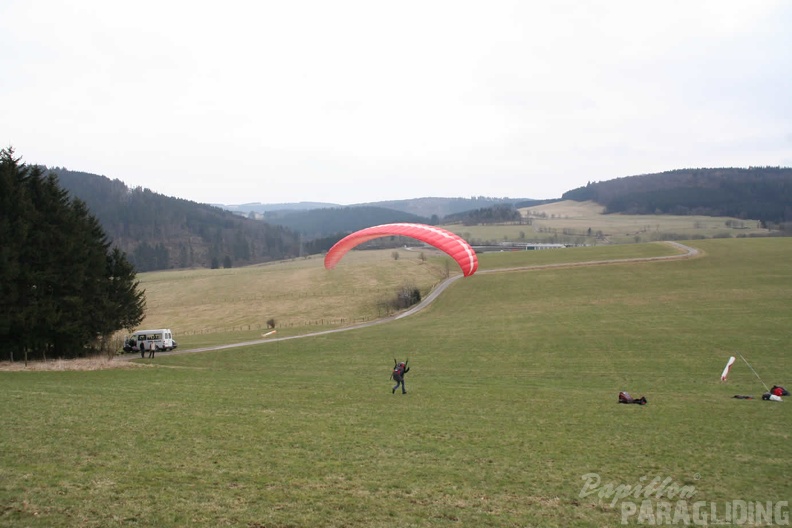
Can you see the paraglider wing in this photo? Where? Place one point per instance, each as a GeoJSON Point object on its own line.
{"type": "Point", "coordinates": [455, 246]}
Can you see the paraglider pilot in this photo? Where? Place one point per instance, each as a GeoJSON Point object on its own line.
{"type": "Point", "coordinates": [399, 371]}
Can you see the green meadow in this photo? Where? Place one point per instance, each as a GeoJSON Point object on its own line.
{"type": "Point", "coordinates": [574, 222]}
{"type": "Point", "coordinates": [511, 411]}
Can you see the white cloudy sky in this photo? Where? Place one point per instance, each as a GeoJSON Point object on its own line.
{"type": "Point", "coordinates": [351, 101]}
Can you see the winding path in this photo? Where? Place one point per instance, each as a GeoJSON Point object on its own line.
{"type": "Point", "coordinates": [685, 253]}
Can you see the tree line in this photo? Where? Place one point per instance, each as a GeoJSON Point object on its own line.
{"type": "Point", "coordinates": [64, 289]}
{"type": "Point", "coordinates": [496, 214]}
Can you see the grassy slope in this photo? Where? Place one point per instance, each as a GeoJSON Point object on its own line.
{"type": "Point", "coordinates": [296, 293]}
{"type": "Point", "coordinates": [569, 221]}
{"type": "Point", "coordinates": [512, 400]}
{"type": "Point", "coordinates": [209, 307]}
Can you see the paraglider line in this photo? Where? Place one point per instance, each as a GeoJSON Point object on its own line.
{"type": "Point", "coordinates": [752, 370]}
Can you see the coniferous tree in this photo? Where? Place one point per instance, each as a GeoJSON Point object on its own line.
{"type": "Point", "coordinates": [124, 302]}
{"type": "Point", "coordinates": [12, 237]}
{"type": "Point", "coordinates": [63, 290]}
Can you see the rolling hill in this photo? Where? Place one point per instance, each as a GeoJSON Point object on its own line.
{"type": "Point", "coordinates": [764, 193]}
{"type": "Point", "coordinates": [161, 232]}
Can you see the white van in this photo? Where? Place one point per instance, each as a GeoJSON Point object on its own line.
{"type": "Point", "coordinates": [160, 339]}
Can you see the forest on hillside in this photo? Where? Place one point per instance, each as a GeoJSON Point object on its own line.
{"type": "Point", "coordinates": [760, 193]}
{"type": "Point", "coordinates": [318, 223]}
{"type": "Point", "coordinates": [496, 214]}
{"type": "Point", "coordinates": [314, 224]}
{"type": "Point", "coordinates": [428, 207]}
{"type": "Point", "coordinates": [160, 232]}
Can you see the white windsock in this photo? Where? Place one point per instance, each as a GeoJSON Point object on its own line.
{"type": "Point", "coordinates": [727, 368]}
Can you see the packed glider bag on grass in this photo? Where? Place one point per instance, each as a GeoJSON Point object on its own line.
{"type": "Point", "coordinates": [624, 397]}
{"type": "Point", "coordinates": [775, 393]}
{"type": "Point", "coordinates": [454, 245]}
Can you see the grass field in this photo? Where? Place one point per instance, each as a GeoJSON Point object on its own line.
{"type": "Point", "coordinates": [297, 294]}
{"type": "Point", "coordinates": [573, 222]}
{"type": "Point", "coordinates": [211, 307]}
{"type": "Point", "coordinates": [511, 406]}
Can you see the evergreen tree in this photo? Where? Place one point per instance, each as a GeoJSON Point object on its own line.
{"type": "Point", "coordinates": [13, 232]}
{"type": "Point", "coordinates": [124, 302]}
{"type": "Point", "coordinates": [64, 290]}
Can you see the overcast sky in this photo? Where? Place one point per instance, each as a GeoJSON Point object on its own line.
{"type": "Point", "coordinates": [361, 101]}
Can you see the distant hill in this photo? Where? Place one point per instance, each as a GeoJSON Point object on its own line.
{"type": "Point", "coordinates": [160, 232]}
{"type": "Point", "coordinates": [318, 223]}
{"type": "Point", "coordinates": [441, 207]}
{"type": "Point", "coordinates": [261, 208]}
{"type": "Point", "coordinates": [325, 221]}
{"type": "Point", "coordinates": [762, 193]}
{"type": "Point", "coordinates": [422, 207]}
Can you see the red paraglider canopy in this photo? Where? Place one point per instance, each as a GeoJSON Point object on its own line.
{"type": "Point", "coordinates": [454, 245]}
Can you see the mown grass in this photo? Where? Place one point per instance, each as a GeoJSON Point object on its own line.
{"type": "Point", "coordinates": [512, 399]}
